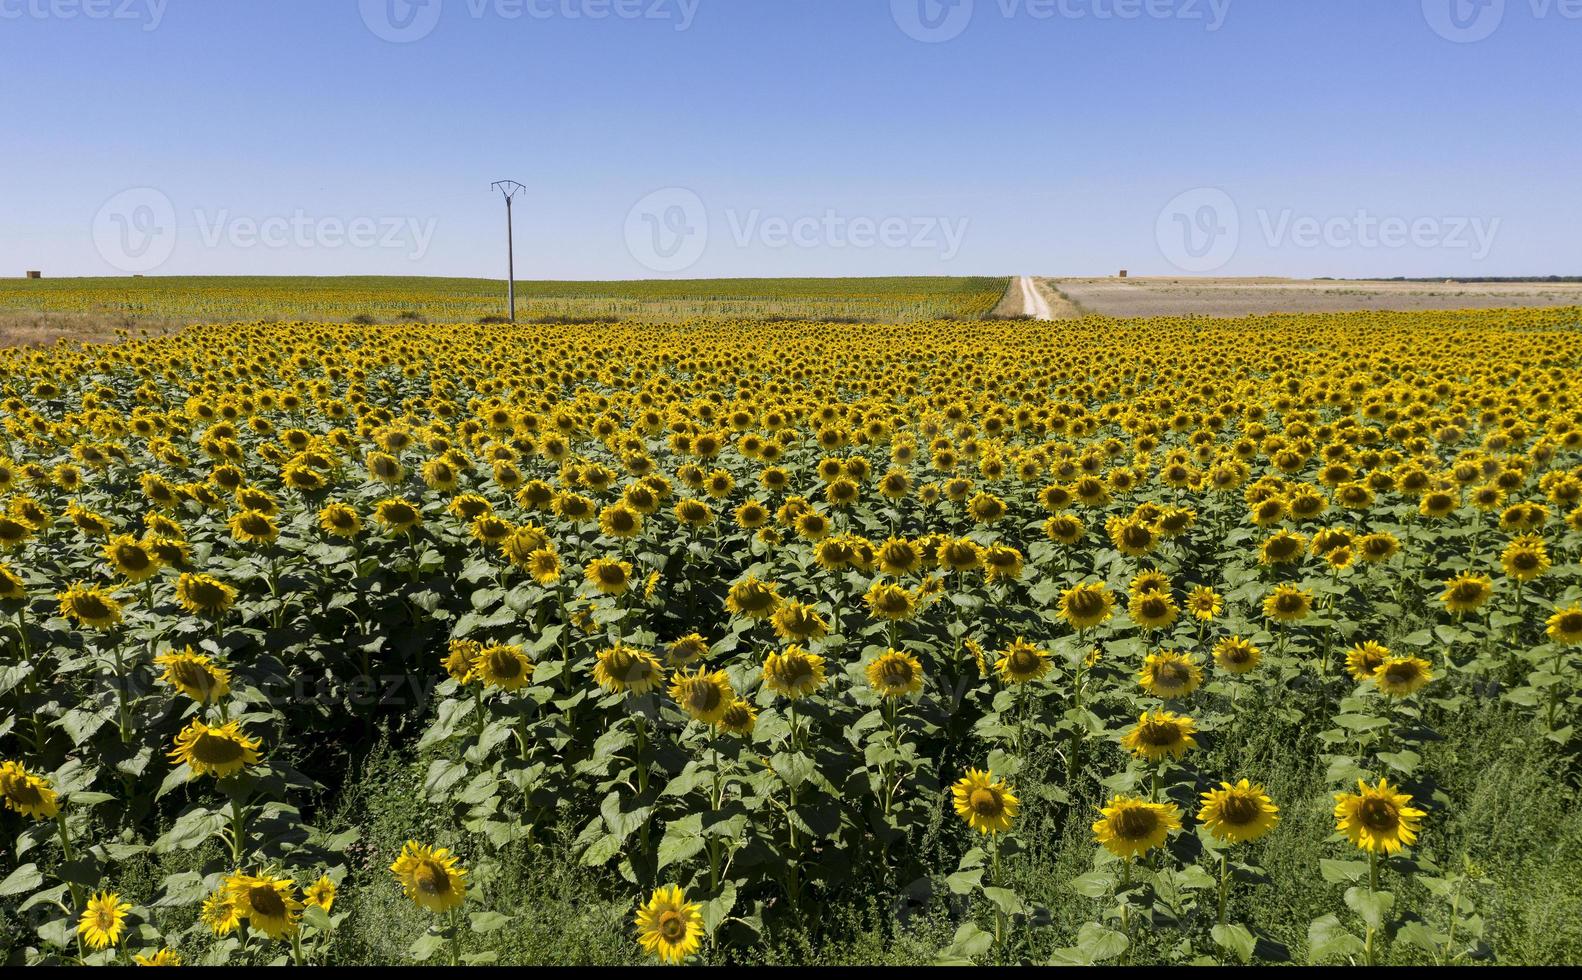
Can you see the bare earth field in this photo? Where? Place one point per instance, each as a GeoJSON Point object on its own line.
{"type": "Point", "coordinates": [1245, 297]}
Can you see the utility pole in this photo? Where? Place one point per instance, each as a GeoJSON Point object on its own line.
{"type": "Point", "coordinates": [509, 189]}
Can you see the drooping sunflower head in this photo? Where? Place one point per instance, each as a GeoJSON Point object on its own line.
{"type": "Point", "coordinates": [621, 669]}
{"type": "Point", "coordinates": [1001, 562]}
{"type": "Point", "coordinates": [1159, 735]}
{"type": "Point", "coordinates": [1022, 663]}
{"type": "Point", "coordinates": [753, 599]}
{"type": "Point", "coordinates": [739, 718]}
{"type": "Point", "coordinates": [91, 606]}
{"type": "Point", "coordinates": [610, 576]}
{"type": "Point", "coordinates": [894, 674]}
{"type": "Point", "coordinates": [1377, 818]}
{"type": "Point", "coordinates": [1129, 826]}
{"type": "Point", "coordinates": [889, 601]}
{"type": "Point", "coordinates": [204, 594]}
{"type": "Point", "coordinates": [1565, 626]}
{"type": "Point", "coordinates": [503, 666]}
{"type": "Point", "coordinates": [219, 751]}
{"type": "Point", "coordinates": [794, 673]}
{"type": "Point", "coordinates": [26, 793]}
{"type": "Point", "coordinates": [668, 926]}
{"type": "Point", "coordinates": [194, 674]}
{"type": "Point", "coordinates": [460, 658]}
{"type": "Point", "coordinates": [1467, 592]}
{"type": "Point", "coordinates": [704, 696]}
{"type": "Point", "coordinates": [1240, 812]}
{"type": "Point", "coordinates": [1168, 674]}
{"type": "Point", "coordinates": [985, 803]}
{"type": "Point", "coordinates": [1288, 604]}
{"type": "Point", "coordinates": [430, 876]}
{"type": "Point", "coordinates": [799, 622]}
{"type": "Point", "coordinates": [1087, 605]}
{"type": "Point", "coordinates": [1401, 677]}
{"type": "Point", "coordinates": [12, 588]}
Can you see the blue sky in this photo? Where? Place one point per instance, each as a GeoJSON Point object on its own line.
{"type": "Point", "coordinates": [792, 137]}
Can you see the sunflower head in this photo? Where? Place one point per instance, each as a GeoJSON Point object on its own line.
{"type": "Point", "coordinates": [1240, 812]}
{"type": "Point", "coordinates": [431, 877]}
{"type": "Point", "coordinates": [102, 920]}
{"type": "Point", "coordinates": [794, 673]}
{"type": "Point", "coordinates": [1377, 818]}
{"type": "Point", "coordinates": [705, 696]}
{"type": "Point", "coordinates": [622, 669]}
{"type": "Point", "coordinates": [1128, 827]}
{"type": "Point", "coordinates": [1401, 677]}
{"type": "Point", "coordinates": [219, 751]}
{"type": "Point", "coordinates": [1159, 735]}
{"type": "Point", "coordinates": [1168, 674]}
{"type": "Point", "coordinates": [669, 926]}
{"type": "Point", "coordinates": [986, 805]}
{"type": "Point", "coordinates": [194, 675]}
{"type": "Point", "coordinates": [894, 674]}
{"type": "Point", "coordinates": [27, 794]}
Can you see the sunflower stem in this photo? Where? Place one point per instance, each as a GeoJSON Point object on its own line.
{"type": "Point", "coordinates": [1224, 883]}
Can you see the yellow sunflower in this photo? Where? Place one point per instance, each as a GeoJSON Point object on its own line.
{"type": "Point", "coordinates": [1022, 663]}
{"type": "Point", "coordinates": [161, 957]}
{"type": "Point", "coordinates": [1401, 677]}
{"type": "Point", "coordinates": [219, 751]}
{"type": "Point", "coordinates": [204, 594]}
{"type": "Point", "coordinates": [753, 599]}
{"type": "Point", "coordinates": [986, 804]}
{"type": "Point", "coordinates": [1159, 735]}
{"type": "Point", "coordinates": [894, 674]}
{"type": "Point", "coordinates": [1288, 604]}
{"type": "Point", "coordinates": [1235, 655]}
{"type": "Point", "coordinates": [1377, 818]}
{"type": "Point", "coordinates": [622, 669]}
{"type": "Point", "coordinates": [103, 920]}
{"type": "Point", "coordinates": [268, 904]}
{"type": "Point", "coordinates": [26, 793]}
{"type": "Point", "coordinates": [704, 695]}
{"type": "Point", "coordinates": [504, 666]}
{"type": "Point", "coordinates": [1467, 593]}
{"type": "Point", "coordinates": [90, 605]}
{"type": "Point", "coordinates": [610, 576]}
{"type": "Point", "coordinates": [1565, 626]}
{"type": "Point", "coordinates": [669, 926]}
{"type": "Point", "coordinates": [795, 673]}
{"type": "Point", "coordinates": [1086, 606]}
{"type": "Point", "coordinates": [194, 675]}
{"type": "Point", "coordinates": [739, 718]}
{"type": "Point", "coordinates": [430, 877]}
{"type": "Point", "coordinates": [1238, 813]}
{"type": "Point", "coordinates": [398, 516]}
{"type": "Point", "coordinates": [131, 559]}
{"type": "Point", "coordinates": [340, 520]}
{"type": "Point", "coordinates": [1168, 674]}
{"type": "Point", "coordinates": [1129, 827]}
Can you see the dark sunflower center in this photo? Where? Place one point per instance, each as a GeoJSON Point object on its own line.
{"type": "Point", "coordinates": [1402, 673]}
{"type": "Point", "coordinates": [1238, 810]}
{"type": "Point", "coordinates": [1022, 661]}
{"type": "Point", "coordinates": [672, 927]}
{"type": "Point", "coordinates": [131, 557]}
{"type": "Point", "coordinates": [1171, 674]}
{"type": "Point", "coordinates": [1378, 815]}
{"type": "Point", "coordinates": [1134, 823]}
{"type": "Point", "coordinates": [91, 607]}
{"type": "Point", "coordinates": [703, 697]}
{"type": "Point", "coordinates": [193, 675]}
{"type": "Point", "coordinates": [265, 901]}
{"type": "Point", "coordinates": [1160, 733]}
{"type": "Point", "coordinates": [985, 802]}
{"type": "Point", "coordinates": [431, 879]}
{"type": "Point", "coordinates": [895, 673]}
{"type": "Point", "coordinates": [216, 750]}
{"type": "Point", "coordinates": [504, 665]}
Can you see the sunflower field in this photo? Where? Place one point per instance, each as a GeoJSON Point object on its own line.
{"type": "Point", "coordinates": [1170, 641]}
